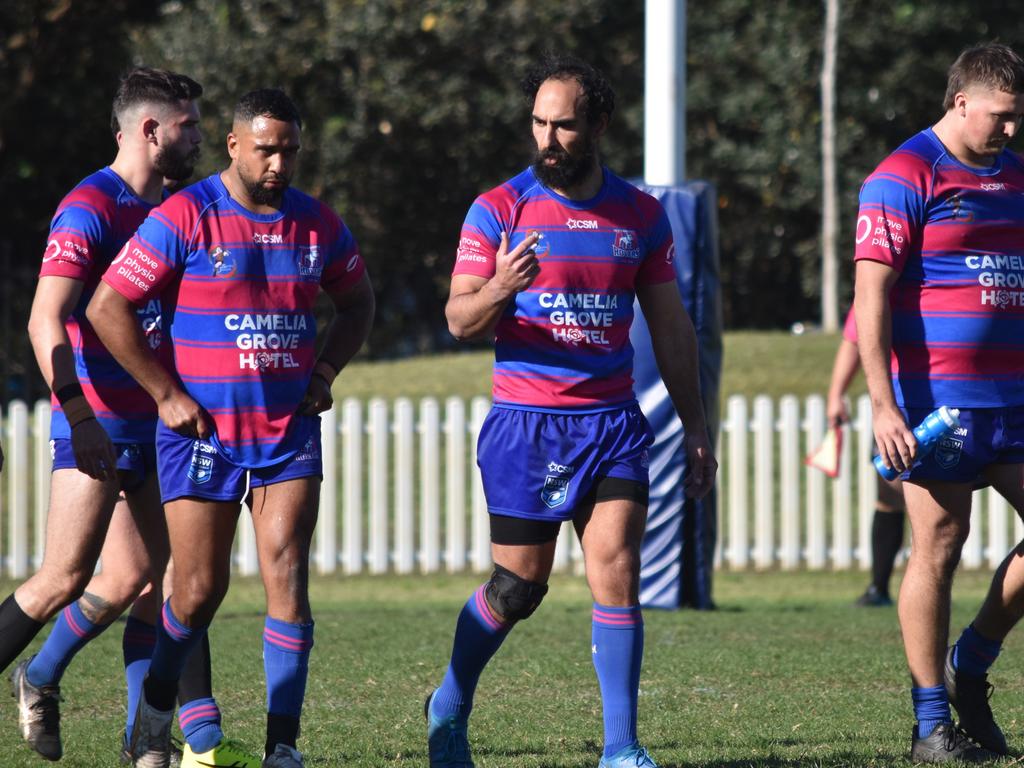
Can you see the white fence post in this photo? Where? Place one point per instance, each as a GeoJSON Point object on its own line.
{"type": "Point", "coordinates": [430, 486]}
{"type": "Point", "coordinates": [455, 474]}
{"type": "Point", "coordinates": [405, 515]}
{"type": "Point", "coordinates": [736, 419]}
{"type": "Point", "coordinates": [842, 522]}
{"type": "Point", "coordinates": [378, 433]}
{"type": "Point", "coordinates": [998, 528]}
{"type": "Point", "coordinates": [327, 517]}
{"type": "Point", "coordinates": [789, 476]}
{"type": "Point", "coordinates": [481, 524]}
{"type": "Point", "coordinates": [43, 465]}
{"type": "Point", "coordinates": [867, 481]}
{"type": "Point", "coordinates": [17, 469]}
{"type": "Point", "coordinates": [814, 424]}
{"type": "Point", "coordinates": [764, 482]}
{"type": "Point", "coordinates": [352, 491]}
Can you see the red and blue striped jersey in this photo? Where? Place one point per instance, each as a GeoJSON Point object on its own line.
{"type": "Point", "coordinates": [90, 226]}
{"type": "Point", "coordinates": [955, 234]}
{"type": "Point", "coordinates": [238, 290]}
{"type": "Point", "coordinates": [564, 342]}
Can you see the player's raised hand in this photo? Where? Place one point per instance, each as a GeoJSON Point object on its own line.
{"type": "Point", "coordinates": [185, 416]}
{"type": "Point", "coordinates": [94, 453]}
{"type": "Point", "coordinates": [701, 465]}
{"type": "Point", "coordinates": [515, 270]}
{"type": "Point", "coordinates": [896, 442]}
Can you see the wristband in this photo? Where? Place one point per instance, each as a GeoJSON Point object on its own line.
{"type": "Point", "coordinates": [77, 410]}
{"type": "Point", "coordinates": [67, 392]}
{"type": "Point", "coordinates": [82, 421]}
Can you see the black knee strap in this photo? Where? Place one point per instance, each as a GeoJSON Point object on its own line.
{"type": "Point", "coordinates": [512, 597]}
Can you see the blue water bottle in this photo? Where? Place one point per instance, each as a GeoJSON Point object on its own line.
{"type": "Point", "coordinates": [935, 426]}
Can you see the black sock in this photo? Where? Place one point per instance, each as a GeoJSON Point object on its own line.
{"type": "Point", "coordinates": [159, 693]}
{"type": "Point", "coordinates": [281, 729]}
{"type": "Point", "coordinates": [196, 679]}
{"type": "Point", "coordinates": [886, 543]}
{"type": "Point", "coordinates": [17, 629]}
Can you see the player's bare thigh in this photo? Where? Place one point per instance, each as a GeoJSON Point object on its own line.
{"type": "Point", "coordinates": [201, 533]}
{"type": "Point", "coordinates": [76, 526]}
{"type": "Point", "coordinates": [284, 516]}
{"type": "Point", "coordinates": [135, 551]}
{"type": "Point", "coordinates": [1008, 481]}
{"type": "Point", "coordinates": [611, 533]}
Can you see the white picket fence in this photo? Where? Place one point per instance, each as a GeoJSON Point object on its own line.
{"type": "Point", "coordinates": [402, 492]}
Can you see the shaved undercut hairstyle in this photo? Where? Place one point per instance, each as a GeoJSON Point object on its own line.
{"type": "Point", "coordinates": [146, 85]}
{"type": "Point", "coordinates": [267, 102]}
{"type": "Point", "coordinates": [991, 65]}
{"type": "Point", "coordinates": [598, 96]}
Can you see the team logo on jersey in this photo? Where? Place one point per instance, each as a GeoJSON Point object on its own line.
{"type": "Point", "coordinates": [626, 246]}
{"type": "Point", "coordinates": [222, 261]}
{"type": "Point", "coordinates": [947, 452]}
{"type": "Point", "coordinates": [542, 247]}
{"type": "Point", "coordinates": [200, 470]}
{"type": "Point", "coordinates": [310, 451]}
{"type": "Point", "coordinates": [311, 263]}
{"type": "Point", "coordinates": [52, 251]}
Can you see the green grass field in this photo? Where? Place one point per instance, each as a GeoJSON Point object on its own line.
{"type": "Point", "coordinates": [786, 673]}
{"type": "Point", "coordinates": [756, 362]}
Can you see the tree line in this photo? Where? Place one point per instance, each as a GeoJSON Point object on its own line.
{"type": "Point", "coordinates": [412, 108]}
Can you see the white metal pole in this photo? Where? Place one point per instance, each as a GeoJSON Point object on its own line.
{"type": "Point", "coordinates": [665, 92]}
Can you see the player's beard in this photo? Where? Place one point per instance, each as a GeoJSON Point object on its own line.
{"type": "Point", "coordinates": [568, 170]}
{"type": "Point", "coordinates": [174, 164]}
{"type": "Point", "coordinates": [260, 194]}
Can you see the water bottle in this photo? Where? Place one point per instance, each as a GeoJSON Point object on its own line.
{"type": "Point", "coordinates": [935, 426]}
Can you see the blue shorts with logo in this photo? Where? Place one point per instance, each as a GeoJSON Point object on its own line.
{"type": "Point", "coordinates": [192, 467]}
{"type": "Point", "coordinates": [985, 436]}
{"type": "Point", "coordinates": [539, 464]}
{"type": "Point", "coordinates": [135, 461]}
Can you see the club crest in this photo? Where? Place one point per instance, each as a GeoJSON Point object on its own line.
{"type": "Point", "coordinates": [555, 491]}
{"type": "Point", "coordinates": [222, 261]}
{"type": "Point", "coordinates": [310, 262]}
{"type": "Point", "coordinates": [626, 246]}
{"type": "Point", "coordinates": [947, 452]}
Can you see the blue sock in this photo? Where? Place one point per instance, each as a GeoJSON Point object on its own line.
{"type": "Point", "coordinates": [137, 646]}
{"type": "Point", "coordinates": [200, 724]}
{"type": "Point", "coordinates": [286, 650]}
{"type": "Point", "coordinates": [973, 653]}
{"type": "Point", "coordinates": [617, 651]}
{"type": "Point", "coordinates": [931, 708]}
{"type": "Point", "coordinates": [477, 636]}
{"type": "Point", "coordinates": [174, 643]}
{"type": "Point", "coordinates": [69, 635]}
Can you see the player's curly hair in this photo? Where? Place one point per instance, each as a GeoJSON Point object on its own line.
{"type": "Point", "coordinates": [267, 102]}
{"type": "Point", "coordinates": [147, 85]}
{"type": "Point", "coordinates": [598, 95]}
{"type": "Point", "coordinates": [992, 65]}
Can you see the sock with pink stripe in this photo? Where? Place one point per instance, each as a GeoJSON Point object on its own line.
{"type": "Point", "coordinates": [617, 650]}
{"type": "Point", "coordinates": [286, 649]}
{"type": "Point", "coordinates": [69, 635]}
{"type": "Point", "coordinates": [200, 724]}
{"type": "Point", "coordinates": [174, 643]}
{"type": "Point", "coordinates": [478, 635]}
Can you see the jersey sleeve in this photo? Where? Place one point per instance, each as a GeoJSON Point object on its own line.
{"type": "Point", "coordinates": [345, 266]}
{"type": "Point", "coordinates": [850, 327]}
{"type": "Point", "coordinates": [892, 212]}
{"type": "Point", "coordinates": [154, 255]}
{"type": "Point", "coordinates": [76, 238]}
{"type": "Point", "coordinates": [479, 241]}
{"type": "Point", "coordinates": [657, 265]}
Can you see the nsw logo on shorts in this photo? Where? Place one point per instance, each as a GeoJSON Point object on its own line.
{"type": "Point", "coordinates": [201, 469]}
{"type": "Point", "coordinates": [947, 452]}
{"type": "Point", "coordinates": [555, 491]}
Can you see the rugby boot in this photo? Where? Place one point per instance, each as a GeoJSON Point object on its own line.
{"type": "Point", "coordinates": [447, 740]}
{"type": "Point", "coordinates": [872, 598]}
{"type": "Point", "coordinates": [151, 737]}
{"type": "Point", "coordinates": [227, 754]}
{"type": "Point", "coordinates": [633, 756]}
{"type": "Point", "coordinates": [126, 751]}
{"type": "Point", "coordinates": [284, 757]}
{"type": "Point", "coordinates": [38, 713]}
{"type": "Point", "coordinates": [970, 696]}
{"type": "Point", "coordinates": [947, 744]}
